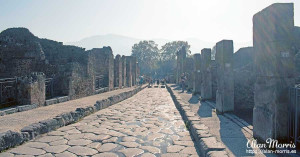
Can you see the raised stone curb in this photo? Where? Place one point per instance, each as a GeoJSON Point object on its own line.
{"type": "Point", "coordinates": [207, 144]}
{"type": "Point", "coordinates": [11, 139]}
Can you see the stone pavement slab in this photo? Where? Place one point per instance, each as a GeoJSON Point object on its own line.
{"type": "Point", "coordinates": [147, 124]}
{"type": "Point", "coordinates": [23, 126]}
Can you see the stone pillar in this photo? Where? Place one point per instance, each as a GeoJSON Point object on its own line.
{"type": "Point", "coordinates": [189, 70]}
{"type": "Point", "coordinates": [206, 84]}
{"type": "Point", "coordinates": [134, 70]}
{"type": "Point", "coordinates": [128, 71]}
{"type": "Point", "coordinates": [118, 71]}
{"type": "Point", "coordinates": [124, 71]}
{"type": "Point", "coordinates": [197, 74]}
{"type": "Point", "coordinates": [111, 72]}
{"type": "Point", "coordinates": [274, 69]}
{"type": "Point", "coordinates": [225, 77]}
{"type": "Point", "coordinates": [181, 56]}
{"type": "Point", "coordinates": [31, 89]}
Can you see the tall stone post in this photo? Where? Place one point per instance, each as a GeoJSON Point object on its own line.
{"type": "Point", "coordinates": [188, 68]}
{"type": "Point", "coordinates": [206, 84]}
{"type": "Point", "coordinates": [124, 71]}
{"type": "Point", "coordinates": [128, 71]}
{"type": "Point", "coordinates": [274, 68]}
{"type": "Point", "coordinates": [118, 71]}
{"type": "Point", "coordinates": [111, 72]}
{"type": "Point", "coordinates": [197, 74]}
{"type": "Point", "coordinates": [181, 56]}
{"type": "Point", "coordinates": [225, 77]}
{"type": "Point", "coordinates": [134, 70]}
{"type": "Point", "coordinates": [31, 89]}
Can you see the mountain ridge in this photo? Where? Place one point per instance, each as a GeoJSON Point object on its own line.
{"type": "Point", "coordinates": [122, 45]}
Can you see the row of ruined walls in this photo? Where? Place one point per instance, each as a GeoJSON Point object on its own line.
{"type": "Point", "coordinates": [73, 70]}
{"type": "Point", "coordinates": [254, 81]}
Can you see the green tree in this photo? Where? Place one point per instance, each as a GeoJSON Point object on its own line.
{"type": "Point", "coordinates": [147, 55]}
{"type": "Point", "coordinates": [169, 50]}
{"type": "Point", "coordinates": [167, 57]}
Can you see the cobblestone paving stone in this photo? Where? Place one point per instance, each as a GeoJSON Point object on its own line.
{"type": "Point", "coordinates": [145, 125]}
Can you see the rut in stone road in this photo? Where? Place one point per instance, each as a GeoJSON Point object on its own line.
{"type": "Point", "coordinates": [147, 124]}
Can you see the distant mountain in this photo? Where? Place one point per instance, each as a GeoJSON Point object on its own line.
{"type": "Point", "coordinates": [119, 44]}
{"type": "Point", "coordinates": [122, 44]}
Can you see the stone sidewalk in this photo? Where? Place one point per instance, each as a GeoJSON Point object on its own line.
{"type": "Point", "coordinates": [22, 126]}
{"type": "Point", "coordinates": [229, 132]}
{"type": "Point", "coordinates": [145, 125]}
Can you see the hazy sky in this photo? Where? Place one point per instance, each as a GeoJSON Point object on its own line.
{"type": "Point", "coordinates": [72, 20]}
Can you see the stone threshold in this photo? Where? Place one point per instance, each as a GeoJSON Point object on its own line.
{"type": "Point", "coordinates": [208, 145]}
{"type": "Point", "coordinates": [11, 139]}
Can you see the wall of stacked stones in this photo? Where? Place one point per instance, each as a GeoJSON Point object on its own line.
{"type": "Point", "coordinates": [73, 70]}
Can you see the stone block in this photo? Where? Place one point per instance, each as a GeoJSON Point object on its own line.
{"type": "Point", "coordinates": [51, 124]}
{"type": "Point", "coordinates": [35, 129]}
{"type": "Point", "coordinates": [10, 139]}
{"type": "Point", "coordinates": [62, 99]}
{"type": "Point", "coordinates": [10, 110]}
{"type": "Point", "coordinates": [50, 102]}
{"type": "Point", "coordinates": [26, 107]}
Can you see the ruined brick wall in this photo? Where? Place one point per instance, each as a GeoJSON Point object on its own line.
{"type": "Point", "coordinates": [101, 64]}
{"type": "Point", "coordinates": [244, 78]}
{"type": "Point", "coordinates": [242, 57]}
{"type": "Point", "coordinates": [31, 89]}
{"type": "Point", "coordinates": [80, 83]}
{"type": "Point", "coordinates": [22, 53]}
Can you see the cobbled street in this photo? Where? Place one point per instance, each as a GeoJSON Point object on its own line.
{"type": "Point", "coordinates": [147, 124]}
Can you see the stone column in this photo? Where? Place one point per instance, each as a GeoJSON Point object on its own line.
{"type": "Point", "coordinates": [206, 84]}
{"type": "Point", "coordinates": [274, 68]}
{"type": "Point", "coordinates": [225, 77]}
{"type": "Point", "coordinates": [118, 71]}
{"type": "Point", "coordinates": [124, 71]}
{"type": "Point", "coordinates": [181, 56]}
{"type": "Point", "coordinates": [128, 71]}
{"type": "Point", "coordinates": [197, 74]}
{"type": "Point", "coordinates": [134, 70]}
{"type": "Point", "coordinates": [111, 72]}
{"type": "Point", "coordinates": [188, 68]}
{"type": "Point", "coordinates": [31, 89]}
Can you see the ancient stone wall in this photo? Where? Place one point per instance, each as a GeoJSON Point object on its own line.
{"type": "Point", "coordinates": [31, 89]}
{"type": "Point", "coordinates": [244, 79]}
